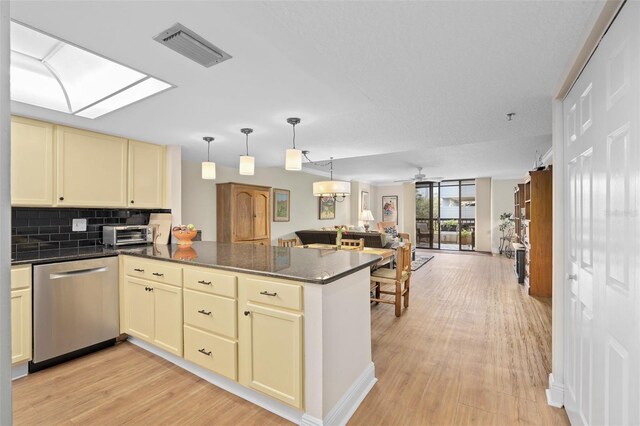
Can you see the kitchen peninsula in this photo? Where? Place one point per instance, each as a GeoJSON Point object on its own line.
{"type": "Point", "coordinates": [285, 328]}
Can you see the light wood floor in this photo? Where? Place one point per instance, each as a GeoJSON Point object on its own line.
{"type": "Point", "coordinates": [471, 349]}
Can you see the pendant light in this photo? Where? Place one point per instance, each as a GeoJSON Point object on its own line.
{"type": "Point", "coordinates": [338, 190]}
{"type": "Point", "coordinates": [208, 168]}
{"type": "Point", "coordinates": [247, 163]}
{"type": "Point", "coordinates": [293, 158]}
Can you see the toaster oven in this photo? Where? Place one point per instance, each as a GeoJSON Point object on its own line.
{"type": "Point", "coordinates": [127, 234]}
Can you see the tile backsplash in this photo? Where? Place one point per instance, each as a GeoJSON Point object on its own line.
{"type": "Point", "coordinates": [50, 228]}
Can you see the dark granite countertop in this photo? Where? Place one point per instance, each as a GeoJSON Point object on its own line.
{"type": "Point", "coordinates": [298, 264]}
{"type": "Point", "coordinates": [61, 255]}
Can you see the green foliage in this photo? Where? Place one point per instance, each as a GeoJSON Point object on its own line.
{"type": "Point", "coordinates": [450, 225]}
{"type": "Point", "coordinates": [506, 222]}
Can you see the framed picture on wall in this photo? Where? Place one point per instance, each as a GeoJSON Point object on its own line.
{"type": "Point", "coordinates": [364, 200]}
{"type": "Point", "coordinates": [390, 208]}
{"type": "Point", "coordinates": [326, 208]}
{"type": "Point", "coordinates": [281, 205]}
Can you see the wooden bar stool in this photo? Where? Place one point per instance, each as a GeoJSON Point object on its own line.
{"type": "Point", "coordinates": [400, 277]}
{"type": "Point", "coordinates": [292, 242]}
{"type": "Point", "coordinates": [354, 243]}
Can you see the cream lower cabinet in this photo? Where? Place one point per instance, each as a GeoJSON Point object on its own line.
{"type": "Point", "coordinates": [153, 309]}
{"type": "Point", "coordinates": [244, 327]}
{"type": "Point", "coordinates": [271, 338]}
{"type": "Point", "coordinates": [210, 320]}
{"type": "Point", "coordinates": [20, 314]}
{"type": "Point", "coordinates": [154, 313]}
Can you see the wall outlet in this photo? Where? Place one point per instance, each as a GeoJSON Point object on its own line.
{"type": "Point", "coordinates": [79, 225]}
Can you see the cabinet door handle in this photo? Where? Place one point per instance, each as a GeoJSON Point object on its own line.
{"type": "Point", "coordinates": [131, 201]}
{"type": "Point", "coordinates": [204, 351]}
{"type": "Point", "coordinates": [266, 293]}
{"type": "Point", "coordinates": [247, 313]}
{"type": "Point", "coordinates": [204, 282]}
{"type": "Point", "coordinates": [158, 274]}
{"type": "Point", "coordinates": [61, 198]}
{"type": "Point", "coordinates": [203, 312]}
{"type": "Point", "coordinates": [138, 270]}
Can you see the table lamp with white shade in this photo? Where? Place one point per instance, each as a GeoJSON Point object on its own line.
{"type": "Point", "coordinates": [366, 216]}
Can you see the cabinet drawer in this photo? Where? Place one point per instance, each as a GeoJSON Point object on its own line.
{"type": "Point", "coordinates": [211, 352]}
{"type": "Point", "coordinates": [164, 272]}
{"type": "Point", "coordinates": [20, 277]}
{"type": "Point", "coordinates": [211, 313]}
{"type": "Point", "coordinates": [274, 293]}
{"type": "Point", "coordinates": [210, 281]}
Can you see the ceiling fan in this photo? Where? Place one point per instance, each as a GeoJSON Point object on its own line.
{"type": "Point", "coordinates": [420, 177]}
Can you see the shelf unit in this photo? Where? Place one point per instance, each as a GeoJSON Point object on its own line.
{"type": "Point", "coordinates": [537, 232]}
{"type": "Point", "coordinates": [518, 205]}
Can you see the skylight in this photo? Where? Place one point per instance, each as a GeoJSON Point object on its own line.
{"type": "Point", "coordinates": [50, 73]}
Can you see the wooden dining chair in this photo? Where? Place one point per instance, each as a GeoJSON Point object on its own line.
{"type": "Point", "coordinates": [354, 243]}
{"type": "Point", "coordinates": [400, 278]}
{"type": "Point", "coordinates": [292, 242]}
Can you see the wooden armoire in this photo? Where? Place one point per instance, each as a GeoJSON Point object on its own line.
{"type": "Point", "coordinates": [243, 213]}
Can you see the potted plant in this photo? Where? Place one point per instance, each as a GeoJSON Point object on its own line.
{"type": "Point", "coordinates": [465, 237]}
{"type": "Point", "coordinates": [506, 227]}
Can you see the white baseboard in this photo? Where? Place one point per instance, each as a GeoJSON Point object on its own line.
{"type": "Point", "coordinates": [20, 370]}
{"type": "Point", "coordinates": [229, 385]}
{"type": "Point", "coordinates": [555, 393]}
{"type": "Point", "coordinates": [348, 404]}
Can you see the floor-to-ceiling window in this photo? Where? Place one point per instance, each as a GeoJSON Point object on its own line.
{"type": "Point", "coordinates": [445, 214]}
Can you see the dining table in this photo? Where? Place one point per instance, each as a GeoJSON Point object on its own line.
{"type": "Point", "coordinates": [387, 254]}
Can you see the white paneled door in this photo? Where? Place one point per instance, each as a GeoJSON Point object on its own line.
{"type": "Point", "coordinates": [602, 312]}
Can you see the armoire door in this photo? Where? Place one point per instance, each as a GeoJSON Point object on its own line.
{"type": "Point", "coordinates": [261, 215]}
{"type": "Point", "coordinates": [601, 307]}
{"type": "Point", "coordinates": [243, 216]}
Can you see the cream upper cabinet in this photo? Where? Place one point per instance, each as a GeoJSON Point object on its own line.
{"type": "Point", "coordinates": [32, 161]}
{"type": "Point", "coordinates": [91, 169]}
{"type": "Point", "coordinates": [146, 175]}
{"type": "Point", "coordinates": [20, 314]}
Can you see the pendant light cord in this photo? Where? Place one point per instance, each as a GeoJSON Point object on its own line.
{"type": "Point", "coordinates": [294, 136]}
{"type": "Point", "coordinates": [247, 142]}
{"type": "Point", "coordinates": [208, 150]}
{"type": "Point", "coordinates": [331, 167]}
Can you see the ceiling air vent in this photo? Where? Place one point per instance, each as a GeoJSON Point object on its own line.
{"type": "Point", "coordinates": [191, 45]}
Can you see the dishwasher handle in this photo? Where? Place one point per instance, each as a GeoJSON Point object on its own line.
{"type": "Point", "coordinates": [78, 272]}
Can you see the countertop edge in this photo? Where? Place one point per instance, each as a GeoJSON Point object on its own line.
{"type": "Point", "coordinates": [262, 273]}
{"type": "Point", "coordinates": [68, 258]}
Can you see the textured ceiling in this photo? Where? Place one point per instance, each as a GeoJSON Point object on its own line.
{"type": "Point", "coordinates": [381, 86]}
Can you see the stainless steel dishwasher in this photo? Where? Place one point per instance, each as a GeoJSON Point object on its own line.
{"type": "Point", "coordinates": [75, 309]}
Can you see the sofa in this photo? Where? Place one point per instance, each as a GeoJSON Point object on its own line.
{"type": "Point", "coordinates": [312, 236]}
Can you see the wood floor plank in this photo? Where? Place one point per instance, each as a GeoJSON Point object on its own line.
{"type": "Point", "coordinates": [472, 348]}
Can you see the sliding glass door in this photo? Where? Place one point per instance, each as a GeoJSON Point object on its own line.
{"type": "Point", "coordinates": [445, 214]}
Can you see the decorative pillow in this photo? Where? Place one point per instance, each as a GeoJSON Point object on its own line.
{"type": "Point", "coordinates": [391, 230]}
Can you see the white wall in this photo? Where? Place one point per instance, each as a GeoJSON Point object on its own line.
{"type": "Point", "coordinates": [5, 221]}
{"type": "Point", "coordinates": [501, 202]}
{"type": "Point", "coordinates": [199, 199]}
{"type": "Point", "coordinates": [406, 206]}
{"type": "Point", "coordinates": [483, 214]}
{"type": "Point", "coordinates": [173, 186]}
